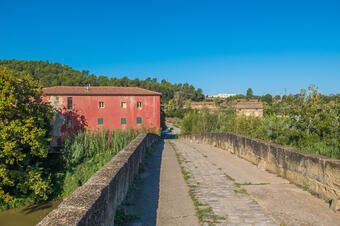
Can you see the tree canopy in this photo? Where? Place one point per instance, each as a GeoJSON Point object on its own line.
{"type": "Point", "coordinates": [24, 142]}
{"type": "Point", "coordinates": [308, 121]}
{"type": "Point", "coordinates": [56, 74]}
{"type": "Point", "coordinates": [249, 93]}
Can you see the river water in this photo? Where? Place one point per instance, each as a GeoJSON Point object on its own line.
{"type": "Point", "coordinates": [28, 215]}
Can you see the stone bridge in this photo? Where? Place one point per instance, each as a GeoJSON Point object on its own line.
{"type": "Point", "coordinates": [208, 179]}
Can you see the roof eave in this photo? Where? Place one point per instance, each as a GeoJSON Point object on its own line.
{"type": "Point", "coordinates": [82, 94]}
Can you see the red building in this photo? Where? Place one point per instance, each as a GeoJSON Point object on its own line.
{"type": "Point", "coordinates": [103, 106]}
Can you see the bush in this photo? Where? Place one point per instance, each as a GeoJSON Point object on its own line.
{"type": "Point", "coordinates": [24, 142]}
{"type": "Point", "coordinates": [89, 151]}
{"type": "Point", "coordinates": [288, 130]}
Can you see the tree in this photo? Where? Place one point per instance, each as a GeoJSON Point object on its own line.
{"type": "Point", "coordinates": [178, 100]}
{"type": "Point", "coordinates": [56, 74]}
{"type": "Point", "coordinates": [24, 142]}
{"type": "Point", "coordinates": [277, 98]}
{"type": "Point", "coordinates": [249, 93]}
{"type": "Point", "coordinates": [199, 95]}
{"type": "Point", "coordinates": [267, 98]}
{"type": "Point", "coordinates": [218, 101]}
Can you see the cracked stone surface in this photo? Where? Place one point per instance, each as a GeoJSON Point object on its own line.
{"type": "Point", "coordinates": [212, 187]}
{"type": "Point", "coordinates": [269, 196]}
{"type": "Point", "coordinates": [237, 192]}
{"type": "Point", "coordinates": [162, 196]}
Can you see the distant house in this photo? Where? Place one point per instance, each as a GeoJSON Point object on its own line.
{"type": "Point", "coordinates": [249, 107]}
{"type": "Point", "coordinates": [102, 107]}
{"type": "Point", "coordinates": [224, 95]}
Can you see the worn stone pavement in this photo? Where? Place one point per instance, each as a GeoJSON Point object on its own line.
{"type": "Point", "coordinates": [214, 188]}
{"type": "Point", "coordinates": [228, 191]}
{"type": "Point", "coordinates": [266, 199]}
{"type": "Point", "coordinates": [161, 196]}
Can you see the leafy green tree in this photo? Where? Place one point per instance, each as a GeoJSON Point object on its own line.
{"type": "Point", "coordinates": [307, 121]}
{"type": "Point", "coordinates": [171, 105]}
{"type": "Point", "coordinates": [249, 93]}
{"type": "Point", "coordinates": [55, 74]}
{"type": "Point", "coordinates": [267, 98]}
{"type": "Point", "coordinates": [24, 142]}
{"type": "Point", "coordinates": [277, 98]}
{"type": "Point", "coordinates": [178, 100]}
{"type": "Point", "coordinates": [218, 101]}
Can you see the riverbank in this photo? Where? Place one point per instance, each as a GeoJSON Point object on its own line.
{"type": "Point", "coordinates": [27, 215]}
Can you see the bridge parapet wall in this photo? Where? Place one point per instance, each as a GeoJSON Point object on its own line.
{"type": "Point", "coordinates": [95, 202]}
{"type": "Point", "coordinates": [316, 173]}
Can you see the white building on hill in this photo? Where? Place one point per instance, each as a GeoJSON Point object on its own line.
{"type": "Point", "coordinates": [224, 95]}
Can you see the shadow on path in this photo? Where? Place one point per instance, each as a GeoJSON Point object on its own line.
{"type": "Point", "coordinates": [143, 200]}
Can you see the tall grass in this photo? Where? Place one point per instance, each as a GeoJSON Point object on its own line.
{"type": "Point", "coordinates": [274, 128]}
{"type": "Point", "coordinates": [89, 151]}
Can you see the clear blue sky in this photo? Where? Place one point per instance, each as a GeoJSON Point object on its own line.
{"type": "Point", "coordinates": [220, 46]}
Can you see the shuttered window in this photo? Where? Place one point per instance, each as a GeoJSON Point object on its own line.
{"type": "Point", "coordinates": [123, 120]}
{"type": "Point", "coordinates": [139, 120]}
{"type": "Point", "coordinates": [69, 103]}
{"type": "Point", "coordinates": [100, 121]}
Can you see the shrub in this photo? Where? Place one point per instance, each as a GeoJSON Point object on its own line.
{"type": "Point", "coordinates": [24, 142]}
{"type": "Point", "coordinates": [87, 152]}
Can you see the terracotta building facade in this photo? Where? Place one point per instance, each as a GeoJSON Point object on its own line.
{"type": "Point", "coordinates": [103, 107]}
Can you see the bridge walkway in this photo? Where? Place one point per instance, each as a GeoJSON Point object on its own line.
{"type": "Point", "coordinates": [220, 189]}
{"type": "Point", "coordinates": [249, 194]}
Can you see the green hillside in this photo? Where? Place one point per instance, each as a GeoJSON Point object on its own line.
{"type": "Point", "coordinates": [56, 74]}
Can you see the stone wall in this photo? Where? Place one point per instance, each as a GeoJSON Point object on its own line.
{"type": "Point", "coordinates": [316, 173]}
{"type": "Point", "coordinates": [95, 202]}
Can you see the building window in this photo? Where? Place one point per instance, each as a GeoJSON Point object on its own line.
{"type": "Point", "coordinates": [69, 103]}
{"type": "Point", "coordinates": [100, 121]}
{"type": "Point", "coordinates": [101, 104]}
{"type": "Point", "coordinates": [123, 121]}
{"type": "Point", "coordinates": [123, 105]}
{"type": "Point", "coordinates": [139, 105]}
{"type": "Point", "coordinates": [69, 122]}
{"type": "Point", "coordinates": [139, 120]}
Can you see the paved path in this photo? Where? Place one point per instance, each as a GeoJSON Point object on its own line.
{"type": "Point", "coordinates": [214, 189]}
{"type": "Point", "coordinates": [161, 195]}
{"type": "Point", "coordinates": [218, 188]}
{"type": "Point", "coordinates": [175, 205]}
{"type": "Point", "coordinates": [245, 195]}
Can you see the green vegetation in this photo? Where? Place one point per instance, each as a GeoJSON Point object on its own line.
{"type": "Point", "coordinates": [203, 211]}
{"type": "Point", "coordinates": [229, 177]}
{"type": "Point", "coordinates": [28, 173]}
{"type": "Point", "coordinates": [121, 217]}
{"type": "Point", "coordinates": [249, 183]}
{"type": "Point", "coordinates": [56, 74]}
{"type": "Point", "coordinates": [174, 96]}
{"type": "Point", "coordinates": [308, 121]}
{"type": "Point", "coordinates": [88, 152]}
{"type": "Point", "coordinates": [241, 191]}
{"type": "Point", "coordinates": [24, 142]}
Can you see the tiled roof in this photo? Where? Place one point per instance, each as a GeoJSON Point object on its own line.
{"type": "Point", "coordinates": [98, 91]}
{"type": "Point", "coordinates": [249, 105]}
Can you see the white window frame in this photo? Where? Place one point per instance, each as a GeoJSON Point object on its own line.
{"type": "Point", "coordinates": [101, 104]}
{"type": "Point", "coordinates": [139, 104]}
{"type": "Point", "coordinates": [123, 104]}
